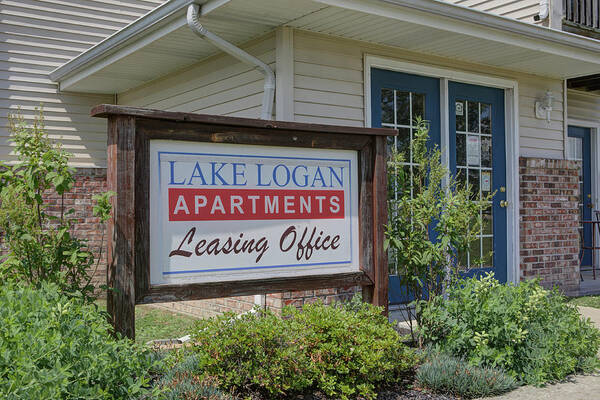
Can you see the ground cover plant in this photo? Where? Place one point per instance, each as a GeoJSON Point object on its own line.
{"type": "Point", "coordinates": [58, 347]}
{"type": "Point", "coordinates": [533, 334]}
{"type": "Point", "coordinates": [442, 373]}
{"type": "Point", "coordinates": [339, 351]}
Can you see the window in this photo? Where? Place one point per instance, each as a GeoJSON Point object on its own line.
{"type": "Point", "coordinates": [400, 110]}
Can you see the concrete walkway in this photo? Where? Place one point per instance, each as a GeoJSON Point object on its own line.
{"type": "Point", "coordinates": [580, 387]}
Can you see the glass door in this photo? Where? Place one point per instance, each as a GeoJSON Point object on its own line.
{"type": "Point", "coordinates": [579, 149]}
{"type": "Point", "coordinates": [398, 99]}
{"type": "Point", "coordinates": [478, 158]}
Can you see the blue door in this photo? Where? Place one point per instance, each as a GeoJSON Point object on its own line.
{"type": "Point", "coordinates": [579, 148]}
{"type": "Point", "coordinates": [478, 157]}
{"type": "Point", "coordinates": [398, 99]}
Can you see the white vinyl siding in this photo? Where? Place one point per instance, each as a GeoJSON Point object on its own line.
{"type": "Point", "coordinates": [522, 10]}
{"type": "Point", "coordinates": [328, 88]}
{"type": "Point", "coordinates": [37, 36]}
{"type": "Point", "coordinates": [220, 85]}
{"type": "Point", "coordinates": [584, 106]}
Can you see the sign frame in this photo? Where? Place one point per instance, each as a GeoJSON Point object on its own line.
{"type": "Point", "coordinates": [130, 131]}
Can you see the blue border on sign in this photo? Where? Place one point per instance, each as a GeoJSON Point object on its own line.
{"type": "Point", "coordinates": [260, 156]}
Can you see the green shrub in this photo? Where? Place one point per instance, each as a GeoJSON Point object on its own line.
{"type": "Point", "coordinates": [428, 200]}
{"type": "Point", "coordinates": [40, 245]}
{"type": "Point", "coordinates": [529, 332]}
{"type": "Point", "coordinates": [54, 347]}
{"type": "Point", "coordinates": [341, 352]}
{"type": "Point", "coordinates": [449, 375]}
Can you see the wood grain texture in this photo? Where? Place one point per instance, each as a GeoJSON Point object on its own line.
{"type": "Point", "coordinates": [380, 215]}
{"type": "Point", "coordinates": [104, 110]}
{"type": "Point", "coordinates": [168, 293]}
{"type": "Point", "coordinates": [121, 262]}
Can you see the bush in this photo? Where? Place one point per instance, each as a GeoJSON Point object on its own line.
{"type": "Point", "coordinates": [40, 245]}
{"type": "Point", "coordinates": [434, 217]}
{"type": "Point", "coordinates": [445, 374]}
{"type": "Point", "coordinates": [529, 332]}
{"type": "Point", "coordinates": [54, 347]}
{"type": "Point", "coordinates": [338, 351]}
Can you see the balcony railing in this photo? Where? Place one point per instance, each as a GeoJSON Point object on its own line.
{"type": "Point", "coordinates": [583, 13]}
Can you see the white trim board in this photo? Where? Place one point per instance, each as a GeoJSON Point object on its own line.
{"type": "Point", "coordinates": [511, 99]}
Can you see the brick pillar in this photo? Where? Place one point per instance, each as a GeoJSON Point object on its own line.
{"type": "Point", "coordinates": [549, 220]}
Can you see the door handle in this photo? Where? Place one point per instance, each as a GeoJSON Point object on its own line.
{"type": "Point", "coordinates": [590, 205]}
{"type": "Point", "coordinates": [503, 203]}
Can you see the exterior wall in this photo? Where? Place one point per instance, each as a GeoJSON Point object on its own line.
{"type": "Point", "coordinates": [549, 222]}
{"type": "Point", "coordinates": [220, 85]}
{"type": "Point", "coordinates": [583, 105]}
{"type": "Point", "coordinates": [328, 88]}
{"type": "Point", "coordinates": [39, 35]}
{"type": "Point", "coordinates": [523, 10]}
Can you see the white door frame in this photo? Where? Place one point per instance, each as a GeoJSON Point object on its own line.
{"type": "Point", "coordinates": [511, 100]}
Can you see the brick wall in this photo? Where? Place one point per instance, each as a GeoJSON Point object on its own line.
{"type": "Point", "coordinates": [549, 221]}
{"type": "Point", "coordinates": [88, 182]}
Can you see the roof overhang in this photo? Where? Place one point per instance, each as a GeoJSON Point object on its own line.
{"type": "Point", "coordinates": [161, 42]}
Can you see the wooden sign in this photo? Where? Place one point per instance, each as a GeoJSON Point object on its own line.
{"type": "Point", "coordinates": [210, 206]}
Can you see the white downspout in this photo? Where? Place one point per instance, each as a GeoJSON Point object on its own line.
{"type": "Point", "coordinates": [193, 22]}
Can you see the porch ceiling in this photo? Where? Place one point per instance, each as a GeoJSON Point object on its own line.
{"type": "Point", "coordinates": [161, 42]}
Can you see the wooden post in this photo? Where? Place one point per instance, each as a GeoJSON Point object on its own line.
{"type": "Point", "coordinates": [380, 216]}
{"type": "Point", "coordinates": [121, 263]}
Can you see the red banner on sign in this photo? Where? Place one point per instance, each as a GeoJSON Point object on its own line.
{"type": "Point", "coordinates": [254, 204]}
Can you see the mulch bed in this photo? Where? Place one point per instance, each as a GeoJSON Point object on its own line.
{"type": "Point", "coordinates": [390, 394]}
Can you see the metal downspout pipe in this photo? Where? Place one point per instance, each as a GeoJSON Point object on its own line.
{"type": "Point", "coordinates": [193, 21]}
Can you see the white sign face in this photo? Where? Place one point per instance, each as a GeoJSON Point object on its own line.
{"type": "Point", "coordinates": [223, 212]}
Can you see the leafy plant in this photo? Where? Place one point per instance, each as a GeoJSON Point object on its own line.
{"type": "Point", "coordinates": [58, 347]}
{"type": "Point", "coordinates": [441, 373]}
{"type": "Point", "coordinates": [40, 243]}
{"type": "Point", "coordinates": [531, 333]}
{"type": "Point", "coordinates": [180, 382]}
{"type": "Point", "coordinates": [342, 352]}
{"type": "Point", "coordinates": [433, 219]}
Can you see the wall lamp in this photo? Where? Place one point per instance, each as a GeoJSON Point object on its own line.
{"type": "Point", "coordinates": [543, 107]}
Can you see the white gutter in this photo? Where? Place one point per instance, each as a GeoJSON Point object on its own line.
{"type": "Point", "coordinates": [118, 39]}
{"type": "Point", "coordinates": [193, 21]}
{"type": "Point", "coordinates": [471, 16]}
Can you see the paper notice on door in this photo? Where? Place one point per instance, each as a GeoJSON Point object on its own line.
{"type": "Point", "coordinates": [486, 181]}
{"type": "Point", "coordinates": [473, 150]}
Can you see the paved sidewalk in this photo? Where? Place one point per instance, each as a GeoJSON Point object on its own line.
{"type": "Point", "coordinates": [580, 387]}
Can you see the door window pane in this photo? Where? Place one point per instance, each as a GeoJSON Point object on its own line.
{"type": "Point", "coordinates": [473, 116]}
{"type": "Point", "coordinates": [474, 166]}
{"type": "Point", "coordinates": [461, 116]}
{"type": "Point", "coordinates": [400, 110]}
{"type": "Point", "coordinates": [387, 106]}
